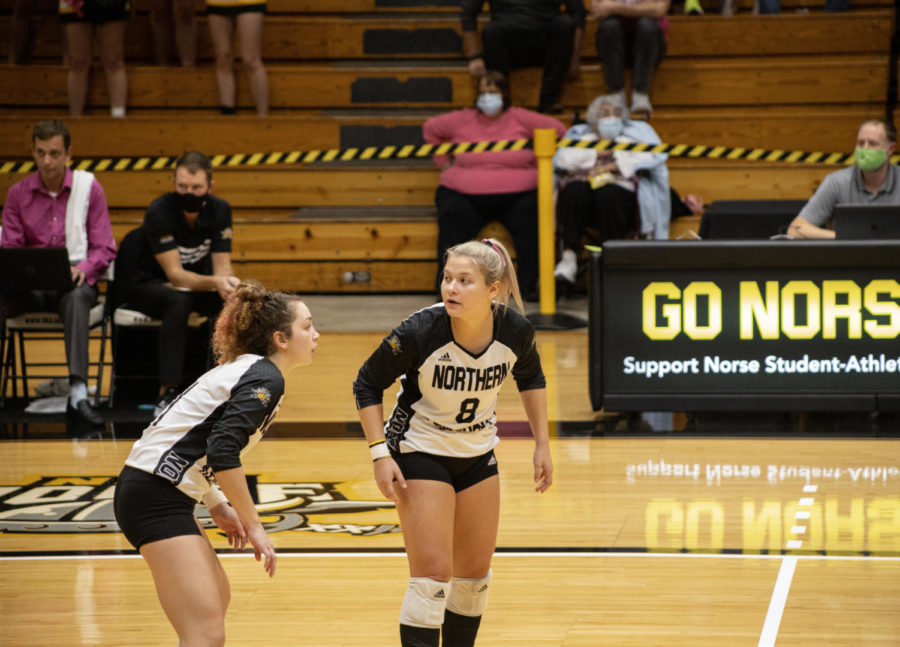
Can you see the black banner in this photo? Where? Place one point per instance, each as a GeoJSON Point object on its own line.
{"type": "Point", "coordinates": [767, 319]}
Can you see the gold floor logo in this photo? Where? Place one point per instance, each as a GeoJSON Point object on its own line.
{"type": "Point", "coordinates": [84, 504]}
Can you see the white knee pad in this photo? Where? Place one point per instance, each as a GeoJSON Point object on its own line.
{"type": "Point", "coordinates": [424, 602]}
{"type": "Point", "coordinates": [468, 597]}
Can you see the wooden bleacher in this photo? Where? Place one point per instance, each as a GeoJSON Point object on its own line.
{"type": "Point", "coordinates": [356, 73]}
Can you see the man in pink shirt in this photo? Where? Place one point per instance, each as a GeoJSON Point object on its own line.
{"type": "Point", "coordinates": [35, 215]}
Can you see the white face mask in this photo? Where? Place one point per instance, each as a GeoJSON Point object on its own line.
{"type": "Point", "coordinates": [490, 103]}
{"type": "Point", "coordinates": [610, 127]}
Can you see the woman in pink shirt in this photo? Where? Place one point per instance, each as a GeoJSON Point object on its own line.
{"type": "Point", "coordinates": [478, 187]}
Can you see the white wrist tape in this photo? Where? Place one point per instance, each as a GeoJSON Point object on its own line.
{"type": "Point", "coordinates": [379, 450]}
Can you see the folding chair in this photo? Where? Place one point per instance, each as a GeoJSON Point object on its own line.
{"type": "Point", "coordinates": [125, 318]}
{"type": "Point", "coordinates": [42, 326]}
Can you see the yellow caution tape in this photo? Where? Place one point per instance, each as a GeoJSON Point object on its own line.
{"type": "Point", "coordinates": [410, 151]}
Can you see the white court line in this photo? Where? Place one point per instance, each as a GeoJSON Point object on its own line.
{"type": "Point", "coordinates": [776, 604]}
{"type": "Point", "coordinates": [314, 555]}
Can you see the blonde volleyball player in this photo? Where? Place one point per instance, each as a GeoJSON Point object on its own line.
{"type": "Point", "coordinates": [434, 457]}
{"type": "Point", "coordinates": [192, 452]}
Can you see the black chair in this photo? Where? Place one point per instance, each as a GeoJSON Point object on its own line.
{"type": "Point", "coordinates": [134, 334]}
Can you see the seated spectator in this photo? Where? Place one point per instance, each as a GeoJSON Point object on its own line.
{"type": "Point", "coordinates": [105, 19]}
{"type": "Point", "coordinates": [524, 33]}
{"type": "Point", "coordinates": [185, 265]}
{"type": "Point", "coordinates": [616, 193]}
{"type": "Point", "coordinates": [871, 180]}
{"type": "Point", "coordinates": [57, 207]}
{"type": "Point", "coordinates": [631, 33]}
{"type": "Point", "coordinates": [163, 13]}
{"type": "Point", "coordinates": [247, 16]}
{"type": "Point", "coordinates": [478, 187]}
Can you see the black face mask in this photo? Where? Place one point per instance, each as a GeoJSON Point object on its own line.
{"type": "Point", "coordinates": [191, 203]}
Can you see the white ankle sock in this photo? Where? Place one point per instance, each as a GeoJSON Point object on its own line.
{"type": "Point", "coordinates": [77, 391]}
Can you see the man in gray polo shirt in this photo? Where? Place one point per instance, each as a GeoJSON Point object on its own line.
{"type": "Point", "coordinates": [871, 180]}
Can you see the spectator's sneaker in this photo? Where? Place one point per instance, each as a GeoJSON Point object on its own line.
{"type": "Point", "coordinates": [640, 102]}
{"type": "Point", "coordinates": [165, 400]}
{"type": "Point", "coordinates": [567, 268]}
{"type": "Point", "coordinates": [55, 387]}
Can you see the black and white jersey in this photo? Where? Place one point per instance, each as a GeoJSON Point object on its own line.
{"type": "Point", "coordinates": [210, 425]}
{"type": "Point", "coordinates": [448, 396]}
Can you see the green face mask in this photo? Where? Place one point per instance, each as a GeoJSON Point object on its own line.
{"type": "Point", "coordinates": [869, 159]}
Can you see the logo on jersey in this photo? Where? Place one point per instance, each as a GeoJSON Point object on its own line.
{"type": "Point", "coordinates": [227, 233]}
{"type": "Point", "coordinates": [172, 467]}
{"type": "Point", "coordinates": [84, 505]}
{"type": "Point", "coordinates": [394, 343]}
{"type": "Point", "coordinates": [191, 255]}
{"type": "Point", "coordinates": [262, 394]}
{"type": "Point", "coordinates": [462, 378]}
{"type": "Point", "coordinates": [444, 358]}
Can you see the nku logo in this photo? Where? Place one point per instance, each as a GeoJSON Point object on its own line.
{"type": "Point", "coordinates": [84, 504]}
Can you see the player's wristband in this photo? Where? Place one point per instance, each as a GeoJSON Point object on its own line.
{"type": "Point", "coordinates": [378, 450]}
{"type": "Point", "coordinates": [475, 57]}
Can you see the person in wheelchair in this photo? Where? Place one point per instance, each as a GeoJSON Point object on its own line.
{"type": "Point", "coordinates": [608, 194]}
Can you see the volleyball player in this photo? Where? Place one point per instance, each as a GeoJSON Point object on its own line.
{"type": "Point", "coordinates": [434, 457]}
{"type": "Point", "coordinates": [192, 452]}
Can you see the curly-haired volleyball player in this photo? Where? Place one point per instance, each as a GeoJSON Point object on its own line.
{"type": "Point", "coordinates": [192, 452]}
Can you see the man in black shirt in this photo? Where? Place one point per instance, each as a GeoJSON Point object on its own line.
{"type": "Point", "coordinates": [525, 33]}
{"type": "Point", "coordinates": [185, 263]}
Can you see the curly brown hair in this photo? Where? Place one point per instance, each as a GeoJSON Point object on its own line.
{"type": "Point", "coordinates": [249, 319]}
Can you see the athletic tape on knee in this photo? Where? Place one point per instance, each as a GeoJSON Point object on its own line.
{"type": "Point", "coordinates": [468, 597]}
{"type": "Point", "coordinates": [424, 602]}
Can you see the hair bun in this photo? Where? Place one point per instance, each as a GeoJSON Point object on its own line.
{"type": "Point", "coordinates": [250, 291]}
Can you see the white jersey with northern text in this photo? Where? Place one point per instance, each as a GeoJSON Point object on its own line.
{"type": "Point", "coordinates": [448, 396]}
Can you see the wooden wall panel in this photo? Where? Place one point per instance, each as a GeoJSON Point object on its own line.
{"type": "Point", "coordinates": [679, 82]}
{"type": "Point", "coordinates": [300, 38]}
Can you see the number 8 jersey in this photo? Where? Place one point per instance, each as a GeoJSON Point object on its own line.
{"type": "Point", "coordinates": [448, 396]}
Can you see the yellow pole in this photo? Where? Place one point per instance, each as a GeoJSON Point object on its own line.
{"type": "Point", "coordinates": [544, 149]}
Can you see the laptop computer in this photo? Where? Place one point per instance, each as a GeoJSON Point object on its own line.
{"type": "Point", "coordinates": [748, 219]}
{"type": "Point", "coordinates": [35, 268]}
{"type": "Point", "coordinates": [866, 221]}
